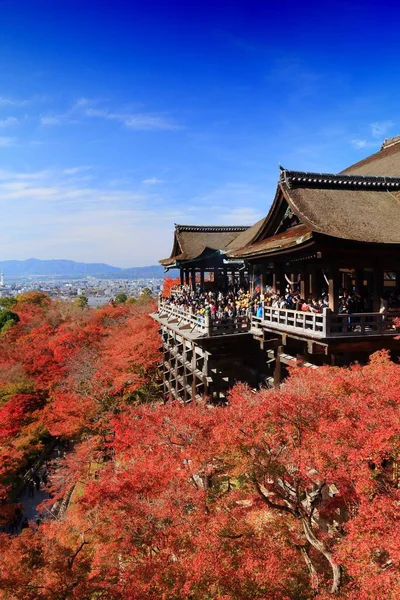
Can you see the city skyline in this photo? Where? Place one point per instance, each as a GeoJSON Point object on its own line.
{"type": "Point", "coordinates": [118, 121]}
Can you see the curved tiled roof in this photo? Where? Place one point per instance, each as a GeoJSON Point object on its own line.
{"type": "Point", "coordinates": [247, 237]}
{"type": "Point", "coordinates": [190, 241]}
{"type": "Point", "coordinates": [360, 208]}
{"type": "Point", "coordinates": [345, 206]}
{"type": "Point", "coordinates": [291, 238]}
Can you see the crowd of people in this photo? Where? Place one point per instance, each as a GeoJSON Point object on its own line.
{"type": "Point", "coordinates": [240, 302]}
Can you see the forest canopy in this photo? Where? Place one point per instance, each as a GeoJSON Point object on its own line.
{"type": "Point", "coordinates": [289, 493]}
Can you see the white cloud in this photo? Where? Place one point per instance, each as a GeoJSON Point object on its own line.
{"type": "Point", "coordinates": [6, 101]}
{"type": "Point", "coordinates": [6, 141]}
{"type": "Point", "coordinates": [360, 144]}
{"type": "Point", "coordinates": [143, 121]}
{"type": "Point", "coordinates": [380, 128]}
{"type": "Point", "coordinates": [152, 181]}
{"type": "Point", "coordinates": [76, 170]}
{"type": "Point", "coordinates": [138, 121]}
{"type": "Point", "coordinates": [116, 225]}
{"type": "Point", "coordinates": [51, 120]}
{"type": "Point", "coordinates": [8, 121]}
{"type": "Point", "coordinates": [60, 119]}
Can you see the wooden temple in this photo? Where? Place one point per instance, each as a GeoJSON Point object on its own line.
{"type": "Point", "coordinates": [323, 233]}
{"type": "Point", "coordinates": [199, 251]}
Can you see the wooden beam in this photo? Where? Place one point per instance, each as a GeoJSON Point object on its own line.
{"type": "Point", "coordinates": [334, 278]}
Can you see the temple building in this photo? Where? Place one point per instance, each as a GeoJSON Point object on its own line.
{"type": "Point", "coordinates": [324, 234]}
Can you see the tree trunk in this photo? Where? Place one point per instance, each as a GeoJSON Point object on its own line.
{"type": "Point", "coordinates": [313, 573]}
{"type": "Point", "coordinates": [318, 545]}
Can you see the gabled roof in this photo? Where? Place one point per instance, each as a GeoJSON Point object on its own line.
{"type": "Point", "coordinates": [344, 206]}
{"type": "Point", "coordinates": [351, 207]}
{"type": "Point", "coordinates": [248, 236]}
{"type": "Point", "coordinates": [384, 162]}
{"type": "Point", "coordinates": [191, 241]}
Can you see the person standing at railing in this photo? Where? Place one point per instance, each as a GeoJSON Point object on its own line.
{"type": "Point", "coordinates": [384, 307]}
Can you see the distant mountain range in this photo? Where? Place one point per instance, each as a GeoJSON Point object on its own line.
{"type": "Point", "coordinates": [34, 267]}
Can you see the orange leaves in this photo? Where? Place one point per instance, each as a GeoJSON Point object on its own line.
{"type": "Point", "coordinates": [168, 284]}
{"type": "Point", "coordinates": [263, 498]}
{"type": "Point", "coordinates": [68, 415]}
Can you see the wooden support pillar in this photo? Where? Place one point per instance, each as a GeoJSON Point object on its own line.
{"type": "Point", "coordinates": [359, 282]}
{"type": "Point", "coordinates": [314, 288]}
{"type": "Point", "coordinates": [202, 279]}
{"type": "Point", "coordinates": [242, 279]}
{"type": "Point", "coordinates": [186, 397]}
{"type": "Point", "coordinates": [397, 280]}
{"type": "Point", "coordinates": [182, 276]}
{"type": "Point", "coordinates": [233, 277]}
{"type": "Point", "coordinates": [187, 279]}
{"type": "Point", "coordinates": [334, 278]}
{"type": "Point", "coordinates": [302, 288]}
{"type": "Point", "coordinates": [278, 367]}
{"type": "Point", "coordinates": [193, 277]}
{"type": "Point", "coordinates": [377, 287]}
{"type": "Point", "coordinates": [280, 281]}
{"type": "Point", "coordinates": [193, 368]}
{"type": "Point", "coordinates": [252, 277]}
{"type": "Point", "coordinates": [274, 281]}
{"type": "Point", "coordinates": [226, 278]}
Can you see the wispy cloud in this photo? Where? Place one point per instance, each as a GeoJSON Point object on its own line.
{"type": "Point", "coordinates": [7, 101]}
{"type": "Point", "coordinates": [75, 170]}
{"type": "Point", "coordinates": [8, 121]}
{"type": "Point", "coordinates": [83, 108]}
{"type": "Point", "coordinates": [360, 144]}
{"type": "Point", "coordinates": [138, 121]}
{"type": "Point", "coordinates": [58, 119]}
{"type": "Point", "coordinates": [152, 181]}
{"type": "Point", "coordinates": [380, 128]}
{"type": "Point", "coordinates": [70, 219]}
{"type": "Point", "coordinates": [6, 141]}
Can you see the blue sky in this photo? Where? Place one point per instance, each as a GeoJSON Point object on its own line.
{"type": "Point", "coordinates": [118, 119]}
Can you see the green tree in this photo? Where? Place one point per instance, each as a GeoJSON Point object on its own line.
{"type": "Point", "coordinates": [121, 298]}
{"type": "Point", "coordinates": [81, 301]}
{"type": "Point", "coordinates": [147, 292]}
{"type": "Point", "coordinates": [131, 300]}
{"type": "Point", "coordinates": [7, 320]}
{"type": "Point", "coordinates": [8, 302]}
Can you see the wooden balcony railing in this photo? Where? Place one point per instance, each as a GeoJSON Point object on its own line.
{"type": "Point", "coordinates": [327, 324]}
{"type": "Point", "coordinates": [202, 324]}
{"type": "Point", "coordinates": [316, 325]}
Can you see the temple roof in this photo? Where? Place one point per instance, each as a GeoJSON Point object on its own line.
{"type": "Point", "coordinates": [345, 206]}
{"type": "Point", "coordinates": [384, 162]}
{"type": "Point", "coordinates": [360, 208]}
{"type": "Point", "coordinates": [293, 237]}
{"type": "Point", "coordinates": [248, 236]}
{"type": "Point", "coordinates": [191, 241]}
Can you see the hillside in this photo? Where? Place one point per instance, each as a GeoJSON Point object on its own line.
{"type": "Point", "coordinates": [70, 268]}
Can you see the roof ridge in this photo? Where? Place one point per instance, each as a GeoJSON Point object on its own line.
{"type": "Point", "coordinates": [211, 228]}
{"type": "Point", "coordinates": [309, 179]}
{"type": "Point", "coordinates": [390, 142]}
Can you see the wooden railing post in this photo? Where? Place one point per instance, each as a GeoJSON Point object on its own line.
{"type": "Point", "coordinates": [208, 322]}
{"type": "Point", "coordinates": [326, 323]}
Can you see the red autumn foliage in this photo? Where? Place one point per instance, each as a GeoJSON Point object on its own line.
{"type": "Point", "coordinates": [168, 284]}
{"type": "Point", "coordinates": [282, 494]}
